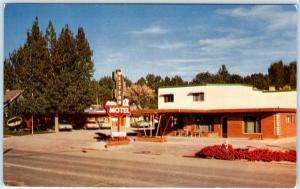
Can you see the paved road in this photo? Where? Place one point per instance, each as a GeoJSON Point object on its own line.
{"type": "Point", "coordinates": [114, 168]}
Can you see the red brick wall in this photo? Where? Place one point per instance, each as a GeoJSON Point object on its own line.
{"type": "Point", "coordinates": [287, 129]}
{"type": "Point", "coordinates": [267, 125]}
{"type": "Point", "coordinates": [236, 126]}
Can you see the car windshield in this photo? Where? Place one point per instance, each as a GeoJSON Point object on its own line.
{"type": "Point", "coordinates": [64, 121]}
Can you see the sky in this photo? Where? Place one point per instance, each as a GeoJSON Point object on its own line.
{"type": "Point", "coordinates": [167, 40]}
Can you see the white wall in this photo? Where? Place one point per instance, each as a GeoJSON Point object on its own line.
{"type": "Point", "coordinates": [218, 96]}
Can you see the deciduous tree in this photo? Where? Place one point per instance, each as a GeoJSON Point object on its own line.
{"type": "Point", "coordinates": [140, 95]}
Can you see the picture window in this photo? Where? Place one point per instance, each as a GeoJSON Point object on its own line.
{"type": "Point", "coordinates": [252, 124]}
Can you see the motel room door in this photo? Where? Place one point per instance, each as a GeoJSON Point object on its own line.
{"type": "Point", "coordinates": [224, 127]}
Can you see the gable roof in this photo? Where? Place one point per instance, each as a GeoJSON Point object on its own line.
{"type": "Point", "coordinates": [10, 96]}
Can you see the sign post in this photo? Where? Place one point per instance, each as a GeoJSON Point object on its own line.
{"type": "Point", "coordinates": [119, 106]}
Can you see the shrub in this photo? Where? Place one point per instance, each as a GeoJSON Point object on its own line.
{"type": "Point", "coordinates": [227, 152]}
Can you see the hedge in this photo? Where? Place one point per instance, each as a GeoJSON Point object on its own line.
{"type": "Point", "coordinates": [227, 152]}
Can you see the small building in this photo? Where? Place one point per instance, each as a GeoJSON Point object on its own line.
{"type": "Point", "coordinates": [11, 95]}
{"type": "Point", "coordinates": [228, 110]}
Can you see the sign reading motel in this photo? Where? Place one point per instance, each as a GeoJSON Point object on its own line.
{"type": "Point", "coordinates": [114, 110]}
{"type": "Point", "coordinates": [118, 110]}
{"type": "Point", "coordinates": [118, 106]}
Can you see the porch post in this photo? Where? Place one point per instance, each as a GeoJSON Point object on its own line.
{"type": "Point", "coordinates": [56, 126]}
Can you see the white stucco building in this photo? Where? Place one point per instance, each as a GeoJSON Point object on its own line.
{"type": "Point", "coordinates": [228, 110]}
{"type": "Point", "coordinates": [223, 96]}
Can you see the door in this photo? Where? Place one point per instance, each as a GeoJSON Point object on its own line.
{"type": "Point", "coordinates": [224, 127]}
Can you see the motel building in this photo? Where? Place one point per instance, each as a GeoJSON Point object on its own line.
{"type": "Point", "coordinates": [226, 110]}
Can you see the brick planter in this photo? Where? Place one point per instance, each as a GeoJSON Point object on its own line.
{"type": "Point", "coordinates": [151, 139]}
{"type": "Point", "coordinates": [120, 141]}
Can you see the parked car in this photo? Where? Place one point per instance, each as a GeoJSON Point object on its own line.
{"type": "Point", "coordinates": [64, 125]}
{"type": "Point", "coordinates": [141, 123]}
{"type": "Point", "coordinates": [105, 125]}
{"type": "Point", "coordinates": [91, 125]}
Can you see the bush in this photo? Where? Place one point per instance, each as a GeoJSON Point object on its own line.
{"type": "Point", "coordinates": [227, 152]}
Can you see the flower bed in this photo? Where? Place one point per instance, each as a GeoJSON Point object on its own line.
{"type": "Point", "coordinates": [227, 152]}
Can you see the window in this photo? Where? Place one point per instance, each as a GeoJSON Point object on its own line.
{"type": "Point", "coordinates": [169, 98]}
{"type": "Point", "coordinates": [252, 124]}
{"type": "Point", "coordinates": [198, 97]}
{"type": "Point", "coordinates": [289, 119]}
{"type": "Point", "coordinates": [204, 123]}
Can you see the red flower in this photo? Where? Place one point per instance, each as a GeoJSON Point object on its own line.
{"type": "Point", "coordinates": [229, 153]}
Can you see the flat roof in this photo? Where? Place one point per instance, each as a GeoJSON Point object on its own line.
{"type": "Point", "coordinates": [213, 111]}
{"type": "Point", "coordinates": [207, 84]}
{"type": "Point", "coordinates": [225, 84]}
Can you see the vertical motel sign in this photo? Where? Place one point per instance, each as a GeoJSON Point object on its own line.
{"type": "Point", "coordinates": [119, 106]}
{"type": "Point", "coordinates": [119, 87]}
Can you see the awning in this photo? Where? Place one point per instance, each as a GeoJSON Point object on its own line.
{"type": "Point", "coordinates": [195, 93]}
{"type": "Point", "coordinates": [167, 94]}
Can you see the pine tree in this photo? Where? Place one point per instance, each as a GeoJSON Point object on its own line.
{"type": "Point", "coordinates": [95, 92]}
{"type": "Point", "coordinates": [9, 80]}
{"type": "Point", "coordinates": [177, 81]}
{"type": "Point", "coordinates": [17, 61]}
{"type": "Point", "coordinates": [106, 86]}
{"type": "Point", "coordinates": [73, 69]}
{"type": "Point", "coordinates": [293, 74]}
{"type": "Point", "coordinates": [141, 81]}
{"type": "Point", "coordinates": [223, 75]}
{"type": "Point", "coordinates": [31, 66]}
{"type": "Point", "coordinates": [276, 74]}
{"type": "Point", "coordinates": [64, 56]}
{"type": "Point", "coordinates": [83, 70]}
{"type": "Point", "coordinates": [50, 37]}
